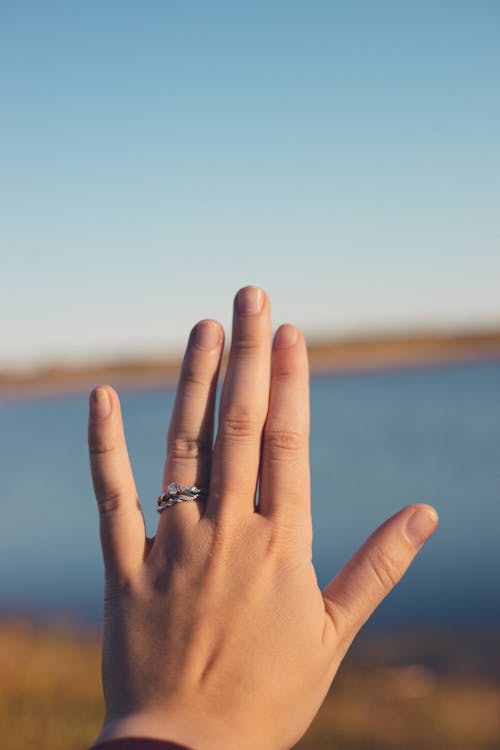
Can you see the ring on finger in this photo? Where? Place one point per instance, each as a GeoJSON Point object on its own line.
{"type": "Point", "coordinates": [176, 494]}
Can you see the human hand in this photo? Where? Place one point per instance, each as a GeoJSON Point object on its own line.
{"type": "Point", "coordinates": [216, 634]}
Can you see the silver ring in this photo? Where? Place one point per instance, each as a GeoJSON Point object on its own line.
{"type": "Point", "coordinates": [176, 494]}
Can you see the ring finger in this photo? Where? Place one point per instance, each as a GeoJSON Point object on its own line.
{"type": "Point", "coordinates": [189, 440]}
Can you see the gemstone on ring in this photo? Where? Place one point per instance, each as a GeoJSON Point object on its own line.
{"type": "Point", "coordinates": [177, 494]}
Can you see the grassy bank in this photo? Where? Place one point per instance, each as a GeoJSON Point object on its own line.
{"type": "Point", "coordinates": [425, 692]}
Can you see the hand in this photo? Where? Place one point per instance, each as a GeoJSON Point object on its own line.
{"type": "Point", "coordinates": [216, 634]}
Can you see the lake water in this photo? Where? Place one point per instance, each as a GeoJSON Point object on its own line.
{"type": "Point", "coordinates": [379, 441]}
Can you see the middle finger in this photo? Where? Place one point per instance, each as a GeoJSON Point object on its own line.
{"type": "Point", "coordinates": [243, 409]}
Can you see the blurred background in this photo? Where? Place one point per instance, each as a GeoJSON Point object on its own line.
{"type": "Point", "coordinates": [154, 158]}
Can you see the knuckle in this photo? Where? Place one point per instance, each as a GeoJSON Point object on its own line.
{"type": "Point", "coordinates": [185, 447]}
{"type": "Point", "coordinates": [285, 373]}
{"type": "Point", "coordinates": [113, 592]}
{"type": "Point", "coordinates": [118, 588]}
{"type": "Point", "coordinates": [384, 568]}
{"type": "Point", "coordinates": [294, 533]}
{"type": "Point", "coordinates": [246, 345]}
{"type": "Point", "coordinates": [99, 446]}
{"type": "Point", "coordinates": [276, 542]}
{"type": "Point", "coordinates": [280, 440]}
{"type": "Point", "coordinates": [219, 542]}
{"type": "Point", "coordinates": [108, 502]}
{"type": "Point", "coordinates": [192, 376]}
{"type": "Point", "coordinates": [275, 538]}
{"type": "Point", "coordinates": [240, 424]}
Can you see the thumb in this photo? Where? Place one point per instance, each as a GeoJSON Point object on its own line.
{"type": "Point", "coordinates": [373, 571]}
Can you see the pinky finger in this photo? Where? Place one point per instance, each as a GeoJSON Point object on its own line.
{"type": "Point", "coordinates": [378, 565]}
{"type": "Point", "coordinates": [122, 529]}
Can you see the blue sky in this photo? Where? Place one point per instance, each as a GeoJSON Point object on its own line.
{"type": "Point", "coordinates": [157, 155]}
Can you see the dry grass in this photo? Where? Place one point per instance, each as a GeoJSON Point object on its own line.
{"type": "Point", "coordinates": [407, 708]}
{"type": "Point", "coordinates": [432, 692]}
{"type": "Point", "coordinates": [50, 694]}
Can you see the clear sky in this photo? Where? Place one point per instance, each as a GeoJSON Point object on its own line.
{"type": "Point", "coordinates": [156, 155]}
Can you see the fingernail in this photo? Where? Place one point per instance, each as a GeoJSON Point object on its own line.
{"type": "Point", "coordinates": [250, 300]}
{"type": "Point", "coordinates": [286, 336]}
{"type": "Point", "coordinates": [207, 335]}
{"type": "Point", "coordinates": [100, 404]}
{"type": "Point", "coordinates": [420, 525]}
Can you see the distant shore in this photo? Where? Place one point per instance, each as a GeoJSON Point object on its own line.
{"type": "Point", "coordinates": [326, 357]}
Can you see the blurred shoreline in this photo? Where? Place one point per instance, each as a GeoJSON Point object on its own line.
{"type": "Point", "coordinates": [352, 355]}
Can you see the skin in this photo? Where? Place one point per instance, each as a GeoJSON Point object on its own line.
{"type": "Point", "coordinates": [216, 634]}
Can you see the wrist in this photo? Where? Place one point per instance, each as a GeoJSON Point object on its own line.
{"type": "Point", "coordinates": [184, 729]}
{"type": "Point", "coordinates": [138, 743]}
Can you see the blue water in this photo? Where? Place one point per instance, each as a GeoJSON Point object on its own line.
{"type": "Point", "coordinates": [379, 441]}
